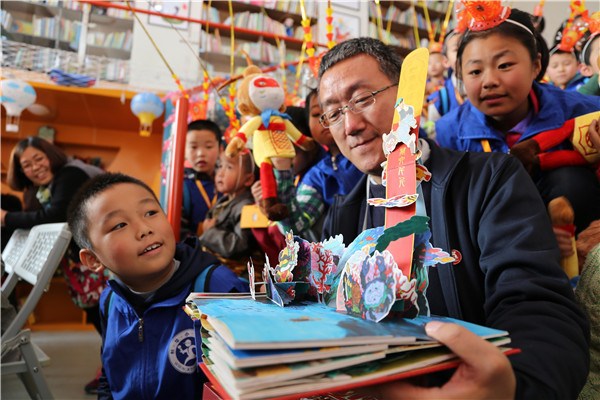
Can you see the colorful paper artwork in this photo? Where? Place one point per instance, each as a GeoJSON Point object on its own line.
{"type": "Point", "coordinates": [251, 278]}
{"type": "Point", "coordinates": [369, 284]}
{"type": "Point", "coordinates": [322, 264]}
{"type": "Point", "coordinates": [402, 200]}
{"type": "Point", "coordinates": [288, 258]}
{"type": "Point", "coordinates": [401, 131]}
{"type": "Point", "coordinates": [423, 174]}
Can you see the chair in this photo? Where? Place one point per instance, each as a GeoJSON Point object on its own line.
{"type": "Point", "coordinates": [14, 248]}
{"type": "Point", "coordinates": [44, 248]}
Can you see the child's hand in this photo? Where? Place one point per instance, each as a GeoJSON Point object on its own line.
{"type": "Point", "coordinates": [256, 190]}
{"type": "Point", "coordinates": [594, 132]}
{"type": "Point", "coordinates": [208, 223]}
{"type": "Point", "coordinates": [563, 238]}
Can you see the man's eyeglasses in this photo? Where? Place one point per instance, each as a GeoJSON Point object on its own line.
{"type": "Point", "coordinates": [357, 104]}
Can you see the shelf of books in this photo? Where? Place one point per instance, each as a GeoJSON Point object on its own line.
{"type": "Point", "coordinates": [399, 17]}
{"type": "Point", "coordinates": [58, 25]}
{"type": "Point", "coordinates": [276, 10]}
{"type": "Point", "coordinates": [259, 30]}
{"type": "Point", "coordinates": [31, 57]}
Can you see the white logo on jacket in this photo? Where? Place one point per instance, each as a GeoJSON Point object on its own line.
{"type": "Point", "coordinates": [182, 352]}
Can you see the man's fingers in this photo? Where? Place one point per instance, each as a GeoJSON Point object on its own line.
{"type": "Point", "coordinates": [471, 348]}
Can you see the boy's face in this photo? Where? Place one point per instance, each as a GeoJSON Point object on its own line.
{"type": "Point", "coordinates": [436, 66]}
{"type": "Point", "coordinates": [202, 150]}
{"type": "Point", "coordinates": [562, 68]}
{"type": "Point", "coordinates": [452, 50]}
{"type": "Point", "coordinates": [230, 178]}
{"type": "Point", "coordinates": [131, 236]}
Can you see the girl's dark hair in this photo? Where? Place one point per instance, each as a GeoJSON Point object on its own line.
{"type": "Point", "coordinates": [16, 178]}
{"type": "Point", "coordinates": [586, 50]}
{"type": "Point", "coordinates": [310, 94]}
{"type": "Point", "coordinates": [532, 40]}
{"type": "Point", "coordinates": [299, 119]}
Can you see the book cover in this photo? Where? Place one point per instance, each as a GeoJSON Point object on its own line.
{"type": "Point", "coordinates": [392, 368]}
{"type": "Point", "coordinates": [248, 324]}
{"type": "Point", "coordinates": [257, 358]}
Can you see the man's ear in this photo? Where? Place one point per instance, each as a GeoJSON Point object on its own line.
{"type": "Point", "coordinates": [586, 70]}
{"type": "Point", "coordinates": [89, 259]}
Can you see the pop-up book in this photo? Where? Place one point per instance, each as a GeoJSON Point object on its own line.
{"type": "Point", "coordinates": [384, 269]}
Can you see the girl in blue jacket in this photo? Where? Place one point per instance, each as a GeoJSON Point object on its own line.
{"type": "Point", "coordinates": [508, 111]}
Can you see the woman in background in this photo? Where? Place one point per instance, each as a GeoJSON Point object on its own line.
{"type": "Point", "coordinates": [49, 180]}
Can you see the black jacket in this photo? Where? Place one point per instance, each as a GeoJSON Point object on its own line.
{"type": "Point", "coordinates": [487, 207]}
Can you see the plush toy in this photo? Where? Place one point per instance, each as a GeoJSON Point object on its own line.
{"type": "Point", "coordinates": [535, 155]}
{"type": "Point", "coordinates": [261, 98]}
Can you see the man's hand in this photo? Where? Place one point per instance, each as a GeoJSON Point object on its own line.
{"type": "Point", "coordinates": [594, 132]}
{"type": "Point", "coordinates": [208, 223]}
{"type": "Point", "coordinates": [587, 240]}
{"type": "Point", "coordinates": [484, 371]}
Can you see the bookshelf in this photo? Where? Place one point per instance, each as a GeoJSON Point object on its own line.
{"type": "Point", "coordinates": [56, 28]}
{"type": "Point", "coordinates": [259, 28]}
{"type": "Point", "coordinates": [399, 16]}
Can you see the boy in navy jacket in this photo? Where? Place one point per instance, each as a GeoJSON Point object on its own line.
{"type": "Point", "coordinates": [148, 349]}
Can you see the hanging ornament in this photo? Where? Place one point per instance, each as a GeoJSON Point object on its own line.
{"type": "Point", "coordinates": [436, 46]}
{"type": "Point", "coordinates": [16, 96]}
{"type": "Point", "coordinates": [147, 107]}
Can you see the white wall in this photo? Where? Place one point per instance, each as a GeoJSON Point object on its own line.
{"type": "Point", "coordinates": [148, 69]}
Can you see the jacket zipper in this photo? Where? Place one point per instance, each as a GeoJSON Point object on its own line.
{"type": "Point", "coordinates": [141, 330]}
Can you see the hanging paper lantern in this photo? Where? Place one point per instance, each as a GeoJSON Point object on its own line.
{"type": "Point", "coordinates": [16, 96]}
{"type": "Point", "coordinates": [147, 107]}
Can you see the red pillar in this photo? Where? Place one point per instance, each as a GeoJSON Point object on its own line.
{"type": "Point", "coordinates": [175, 176]}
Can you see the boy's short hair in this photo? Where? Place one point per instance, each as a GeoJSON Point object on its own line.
{"type": "Point", "coordinates": [206, 125]}
{"type": "Point", "coordinates": [77, 212]}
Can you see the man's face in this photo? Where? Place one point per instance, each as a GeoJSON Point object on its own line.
{"type": "Point", "coordinates": [359, 135]}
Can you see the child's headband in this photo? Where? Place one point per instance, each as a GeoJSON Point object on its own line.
{"type": "Point", "coordinates": [484, 15]}
{"type": "Point", "coordinates": [593, 24]}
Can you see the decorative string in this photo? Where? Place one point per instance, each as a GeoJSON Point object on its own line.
{"type": "Point", "coordinates": [379, 21]}
{"type": "Point", "coordinates": [415, 24]}
{"type": "Point", "coordinates": [173, 74]}
{"type": "Point", "coordinates": [329, 25]}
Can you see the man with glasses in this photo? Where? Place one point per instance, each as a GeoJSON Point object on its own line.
{"type": "Point", "coordinates": [485, 206]}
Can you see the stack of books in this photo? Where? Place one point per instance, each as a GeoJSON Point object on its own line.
{"type": "Point", "coordinates": [254, 349]}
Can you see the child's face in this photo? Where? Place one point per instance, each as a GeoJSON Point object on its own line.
{"type": "Point", "coordinates": [131, 236]}
{"type": "Point", "coordinates": [594, 50]}
{"type": "Point", "coordinates": [436, 66]}
{"type": "Point", "coordinates": [230, 178]}
{"type": "Point", "coordinates": [320, 134]}
{"type": "Point", "coordinates": [498, 74]}
{"type": "Point", "coordinates": [202, 150]}
{"type": "Point", "coordinates": [562, 68]}
{"type": "Point", "coordinates": [451, 50]}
